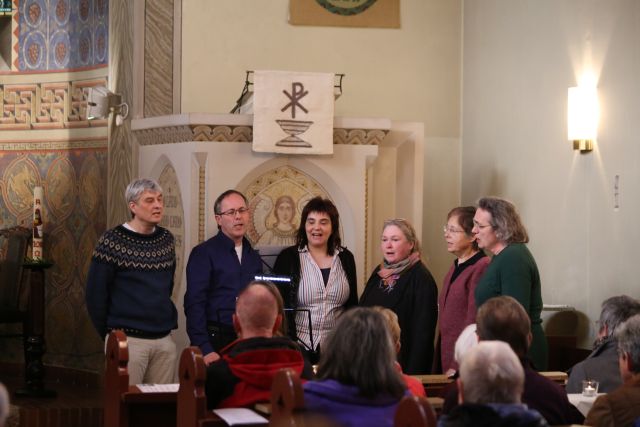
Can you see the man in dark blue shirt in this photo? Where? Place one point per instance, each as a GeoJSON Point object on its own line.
{"type": "Point", "coordinates": [216, 272]}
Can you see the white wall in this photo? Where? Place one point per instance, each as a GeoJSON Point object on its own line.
{"type": "Point", "coordinates": [519, 58]}
{"type": "Point", "coordinates": [407, 74]}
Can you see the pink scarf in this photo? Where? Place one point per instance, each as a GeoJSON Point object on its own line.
{"type": "Point", "coordinates": [391, 273]}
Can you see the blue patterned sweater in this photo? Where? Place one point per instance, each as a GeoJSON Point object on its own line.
{"type": "Point", "coordinates": [130, 281]}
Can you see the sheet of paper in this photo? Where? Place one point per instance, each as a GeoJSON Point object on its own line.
{"type": "Point", "coordinates": [240, 416]}
{"type": "Point", "coordinates": [158, 388]}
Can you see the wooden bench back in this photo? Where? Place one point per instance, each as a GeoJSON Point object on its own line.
{"type": "Point", "coordinates": [125, 405]}
{"type": "Point", "coordinates": [414, 411]}
{"type": "Point", "coordinates": [116, 379]}
{"type": "Point", "coordinates": [287, 399]}
{"type": "Point", "coordinates": [192, 401]}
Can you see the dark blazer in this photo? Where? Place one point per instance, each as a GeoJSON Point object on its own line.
{"type": "Point", "coordinates": [600, 365]}
{"type": "Point", "coordinates": [415, 300]}
{"type": "Point", "coordinates": [288, 264]}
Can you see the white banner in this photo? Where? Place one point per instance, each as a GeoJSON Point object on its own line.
{"type": "Point", "coordinates": [293, 112]}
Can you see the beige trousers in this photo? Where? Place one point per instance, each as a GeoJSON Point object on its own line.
{"type": "Point", "coordinates": [151, 361]}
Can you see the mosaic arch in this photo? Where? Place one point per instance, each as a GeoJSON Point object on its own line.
{"type": "Point", "coordinates": [276, 199]}
{"type": "Point", "coordinates": [173, 220]}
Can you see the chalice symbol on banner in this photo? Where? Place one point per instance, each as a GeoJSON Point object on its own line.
{"type": "Point", "coordinates": [293, 127]}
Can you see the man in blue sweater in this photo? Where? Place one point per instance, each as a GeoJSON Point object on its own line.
{"type": "Point", "coordinates": [130, 282]}
{"type": "Point", "coordinates": [216, 272]}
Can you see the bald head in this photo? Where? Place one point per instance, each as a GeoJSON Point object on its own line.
{"type": "Point", "coordinates": [257, 310]}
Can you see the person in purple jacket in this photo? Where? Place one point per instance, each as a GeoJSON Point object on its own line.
{"type": "Point", "coordinates": [217, 271]}
{"type": "Point", "coordinates": [357, 383]}
{"type": "Point", "coordinates": [456, 305]}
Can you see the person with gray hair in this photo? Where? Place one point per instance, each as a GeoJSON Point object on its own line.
{"type": "Point", "coordinates": [602, 363]}
{"type": "Point", "coordinates": [130, 282]}
{"type": "Point", "coordinates": [357, 381]}
{"type": "Point", "coordinates": [4, 404]}
{"type": "Point", "coordinates": [490, 387]}
{"type": "Point", "coordinates": [504, 319]}
{"type": "Point", "coordinates": [621, 407]}
{"type": "Point", "coordinates": [513, 271]}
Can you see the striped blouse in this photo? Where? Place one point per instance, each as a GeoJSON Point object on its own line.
{"type": "Point", "coordinates": [324, 303]}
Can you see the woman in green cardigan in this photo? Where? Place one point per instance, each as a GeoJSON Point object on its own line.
{"type": "Point", "coordinates": [512, 271]}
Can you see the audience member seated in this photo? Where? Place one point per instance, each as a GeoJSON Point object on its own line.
{"type": "Point", "coordinates": [358, 384]}
{"type": "Point", "coordinates": [4, 404]}
{"type": "Point", "coordinates": [244, 374]}
{"type": "Point", "coordinates": [413, 384]}
{"type": "Point", "coordinates": [621, 407]}
{"type": "Point", "coordinates": [602, 363]}
{"type": "Point", "coordinates": [504, 319]}
{"type": "Point", "coordinates": [490, 385]}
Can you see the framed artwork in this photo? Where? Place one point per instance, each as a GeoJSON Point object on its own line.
{"type": "Point", "coordinates": [345, 13]}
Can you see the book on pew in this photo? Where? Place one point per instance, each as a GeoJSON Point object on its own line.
{"type": "Point", "coordinates": [158, 388]}
{"type": "Point", "coordinates": [240, 416]}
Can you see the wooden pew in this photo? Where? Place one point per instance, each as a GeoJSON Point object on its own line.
{"type": "Point", "coordinates": [434, 384]}
{"type": "Point", "coordinates": [285, 403]}
{"type": "Point", "coordinates": [414, 411]}
{"type": "Point", "coordinates": [287, 400]}
{"type": "Point", "coordinates": [125, 405]}
{"type": "Point", "coordinates": [556, 376]}
{"type": "Point", "coordinates": [192, 401]}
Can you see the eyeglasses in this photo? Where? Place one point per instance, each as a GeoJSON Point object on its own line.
{"type": "Point", "coordinates": [480, 226]}
{"type": "Point", "coordinates": [451, 230]}
{"type": "Point", "coordinates": [233, 212]}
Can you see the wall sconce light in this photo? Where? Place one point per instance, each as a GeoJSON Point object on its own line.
{"type": "Point", "coordinates": [102, 101]}
{"type": "Point", "coordinates": [583, 115]}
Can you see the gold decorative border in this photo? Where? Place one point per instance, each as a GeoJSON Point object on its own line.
{"type": "Point", "coordinates": [54, 145]}
{"type": "Point", "coordinates": [49, 105]}
{"type": "Point", "coordinates": [224, 133]}
{"type": "Point", "coordinates": [201, 203]}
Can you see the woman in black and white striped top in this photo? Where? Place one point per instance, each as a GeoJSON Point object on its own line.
{"type": "Point", "coordinates": [323, 276]}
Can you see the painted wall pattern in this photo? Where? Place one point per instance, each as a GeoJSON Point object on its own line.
{"type": "Point", "coordinates": [61, 34]}
{"type": "Point", "coordinates": [57, 105]}
{"type": "Point", "coordinates": [74, 217]}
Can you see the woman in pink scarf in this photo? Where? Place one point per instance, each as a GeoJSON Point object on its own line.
{"type": "Point", "coordinates": [403, 284]}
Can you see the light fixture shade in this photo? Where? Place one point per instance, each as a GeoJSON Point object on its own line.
{"type": "Point", "coordinates": [98, 103]}
{"type": "Point", "coordinates": [583, 113]}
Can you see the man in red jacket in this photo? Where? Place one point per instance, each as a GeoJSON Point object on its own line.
{"type": "Point", "coordinates": [244, 374]}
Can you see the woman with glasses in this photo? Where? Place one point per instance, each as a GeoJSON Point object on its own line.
{"type": "Point", "coordinates": [403, 284]}
{"type": "Point", "coordinates": [513, 270]}
{"type": "Point", "coordinates": [323, 274]}
{"type": "Point", "coordinates": [457, 306]}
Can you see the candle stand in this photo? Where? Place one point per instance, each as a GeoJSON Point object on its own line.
{"type": "Point", "coordinates": [34, 341]}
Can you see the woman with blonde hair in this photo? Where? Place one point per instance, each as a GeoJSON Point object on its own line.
{"type": "Point", "coordinates": [403, 284]}
{"type": "Point", "coordinates": [513, 271]}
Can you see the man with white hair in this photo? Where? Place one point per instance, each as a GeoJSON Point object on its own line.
{"type": "Point", "coordinates": [621, 407]}
{"type": "Point", "coordinates": [490, 385]}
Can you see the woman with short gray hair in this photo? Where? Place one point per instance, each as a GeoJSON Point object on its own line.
{"type": "Point", "coordinates": [512, 271]}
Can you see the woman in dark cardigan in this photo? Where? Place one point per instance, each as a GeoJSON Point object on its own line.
{"type": "Point", "coordinates": [323, 276]}
{"type": "Point", "coordinates": [403, 284]}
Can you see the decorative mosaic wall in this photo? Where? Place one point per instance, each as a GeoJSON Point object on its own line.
{"type": "Point", "coordinates": [61, 35]}
{"type": "Point", "coordinates": [47, 105]}
{"type": "Point", "coordinates": [276, 199]}
{"type": "Point", "coordinates": [74, 217]}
